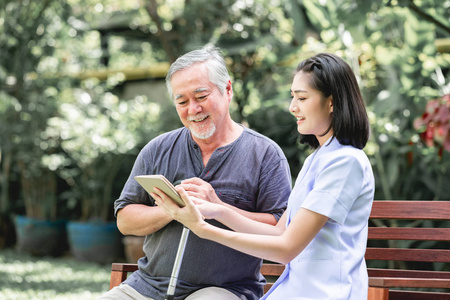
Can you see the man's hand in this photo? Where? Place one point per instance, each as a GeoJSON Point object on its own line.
{"type": "Point", "coordinates": [198, 189]}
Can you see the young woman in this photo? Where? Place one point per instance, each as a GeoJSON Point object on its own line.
{"type": "Point", "coordinates": [322, 235]}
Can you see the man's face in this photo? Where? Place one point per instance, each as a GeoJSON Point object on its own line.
{"type": "Point", "coordinates": [202, 108]}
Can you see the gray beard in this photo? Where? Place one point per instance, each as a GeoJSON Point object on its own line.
{"type": "Point", "coordinates": [204, 134]}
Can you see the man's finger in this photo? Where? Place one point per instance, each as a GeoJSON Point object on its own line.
{"type": "Point", "coordinates": [193, 180]}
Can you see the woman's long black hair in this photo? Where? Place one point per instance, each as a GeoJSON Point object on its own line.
{"type": "Point", "coordinates": [331, 75]}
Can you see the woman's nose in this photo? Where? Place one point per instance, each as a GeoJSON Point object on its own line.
{"type": "Point", "coordinates": [292, 106]}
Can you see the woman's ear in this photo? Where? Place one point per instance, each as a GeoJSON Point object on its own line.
{"type": "Point", "coordinates": [330, 99]}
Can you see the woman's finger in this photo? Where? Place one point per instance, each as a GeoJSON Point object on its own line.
{"type": "Point", "coordinates": [196, 200]}
{"type": "Point", "coordinates": [184, 195]}
{"type": "Point", "coordinates": [162, 199]}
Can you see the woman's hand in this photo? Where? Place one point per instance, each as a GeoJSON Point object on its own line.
{"type": "Point", "coordinates": [189, 215]}
{"type": "Point", "coordinates": [200, 189]}
{"type": "Point", "coordinates": [209, 210]}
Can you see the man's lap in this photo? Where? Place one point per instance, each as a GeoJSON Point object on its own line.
{"type": "Point", "coordinates": [126, 292]}
{"type": "Point", "coordinates": [213, 292]}
{"type": "Point", "coordinates": [123, 292]}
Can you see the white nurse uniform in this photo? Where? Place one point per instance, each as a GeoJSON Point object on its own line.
{"type": "Point", "coordinates": [335, 181]}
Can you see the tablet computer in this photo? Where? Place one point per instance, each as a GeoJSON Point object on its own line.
{"type": "Point", "coordinates": [148, 182]}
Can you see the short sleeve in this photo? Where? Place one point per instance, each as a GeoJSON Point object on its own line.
{"type": "Point", "coordinates": [275, 187]}
{"type": "Point", "coordinates": [132, 192]}
{"type": "Point", "coordinates": [336, 188]}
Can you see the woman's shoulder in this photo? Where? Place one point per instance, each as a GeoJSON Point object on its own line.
{"type": "Point", "coordinates": [335, 152]}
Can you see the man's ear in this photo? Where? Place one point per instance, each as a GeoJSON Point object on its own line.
{"type": "Point", "coordinates": [229, 90]}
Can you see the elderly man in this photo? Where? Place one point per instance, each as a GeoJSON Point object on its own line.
{"type": "Point", "coordinates": [217, 160]}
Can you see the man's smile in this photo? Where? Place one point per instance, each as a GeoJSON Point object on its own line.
{"type": "Point", "coordinates": [199, 119]}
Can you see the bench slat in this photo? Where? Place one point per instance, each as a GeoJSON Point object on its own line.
{"type": "Point", "coordinates": [409, 282]}
{"type": "Point", "coordinates": [270, 269]}
{"type": "Point", "coordinates": [374, 272]}
{"type": "Point", "coordinates": [415, 234]}
{"type": "Point", "coordinates": [426, 255]}
{"type": "Point", "coordinates": [413, 295]}
{"type": "Point", "coordinates": [124, 267]}
{"type": "Point", "coordinates": [411, 210]}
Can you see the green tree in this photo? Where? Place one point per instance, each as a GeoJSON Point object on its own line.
{"type": "Point", "coordinates": [389, 44]}
{"type": "Point", "coordinates": [30, 32]}
{"type": "Point", "coordinates": [391, 47]}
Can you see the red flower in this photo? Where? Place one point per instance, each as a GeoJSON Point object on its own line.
{"type": "Point", "coordinates": [434, 123]}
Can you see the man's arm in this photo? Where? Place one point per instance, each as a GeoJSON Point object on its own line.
{"type": "Point", "coordinates": [141, 219]}
{"type": "Point", "coordinates": [200, 189]}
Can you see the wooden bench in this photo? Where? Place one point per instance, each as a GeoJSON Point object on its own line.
{"type": "Point", "coordinates": [391, 224]}
{"type": "Point", "coordinates": [119, 272]}
{"type": "Point", "coordinates": [384, 227]}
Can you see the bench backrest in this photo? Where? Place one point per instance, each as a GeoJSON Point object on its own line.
{"type": "Point", "coordinates": [404, 243]}
{"type": "Point", "coordinates": [393, 220]}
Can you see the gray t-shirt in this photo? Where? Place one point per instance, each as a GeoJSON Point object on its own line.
{"type": "Point", "coordinates": [251, 173]}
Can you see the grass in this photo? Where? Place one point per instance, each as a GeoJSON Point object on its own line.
{"type": "Point", "coordinates": [37, 278]}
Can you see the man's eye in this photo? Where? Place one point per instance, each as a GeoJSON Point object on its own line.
{"type": "Point", "coordinates": [182, 103]}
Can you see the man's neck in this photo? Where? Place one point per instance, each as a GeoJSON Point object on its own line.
{"type": "Point", "coordinates": [219, 139]}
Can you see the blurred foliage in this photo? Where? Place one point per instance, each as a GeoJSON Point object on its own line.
{"type": "Point", "coordinates": [95, 131]}
{"type": "Point", "coordinates": [29, 33]}
{"type": "Point", "coordinates": [51, 120]}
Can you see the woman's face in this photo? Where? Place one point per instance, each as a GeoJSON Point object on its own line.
{"type": "Point", "coordinates": [312, 110]}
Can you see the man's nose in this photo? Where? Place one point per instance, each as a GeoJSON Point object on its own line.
{"type": "Point", "coordinates": [194, 107]}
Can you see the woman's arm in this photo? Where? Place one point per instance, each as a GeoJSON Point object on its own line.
{"type": "Point", "coordinates": [303, 228]}
{"type": "Point", "coordinates": [241, 223]}
{"type": "Point", "coordinates": [280, 248]}
{"type": "Point", "coordinates": [200, 189]}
